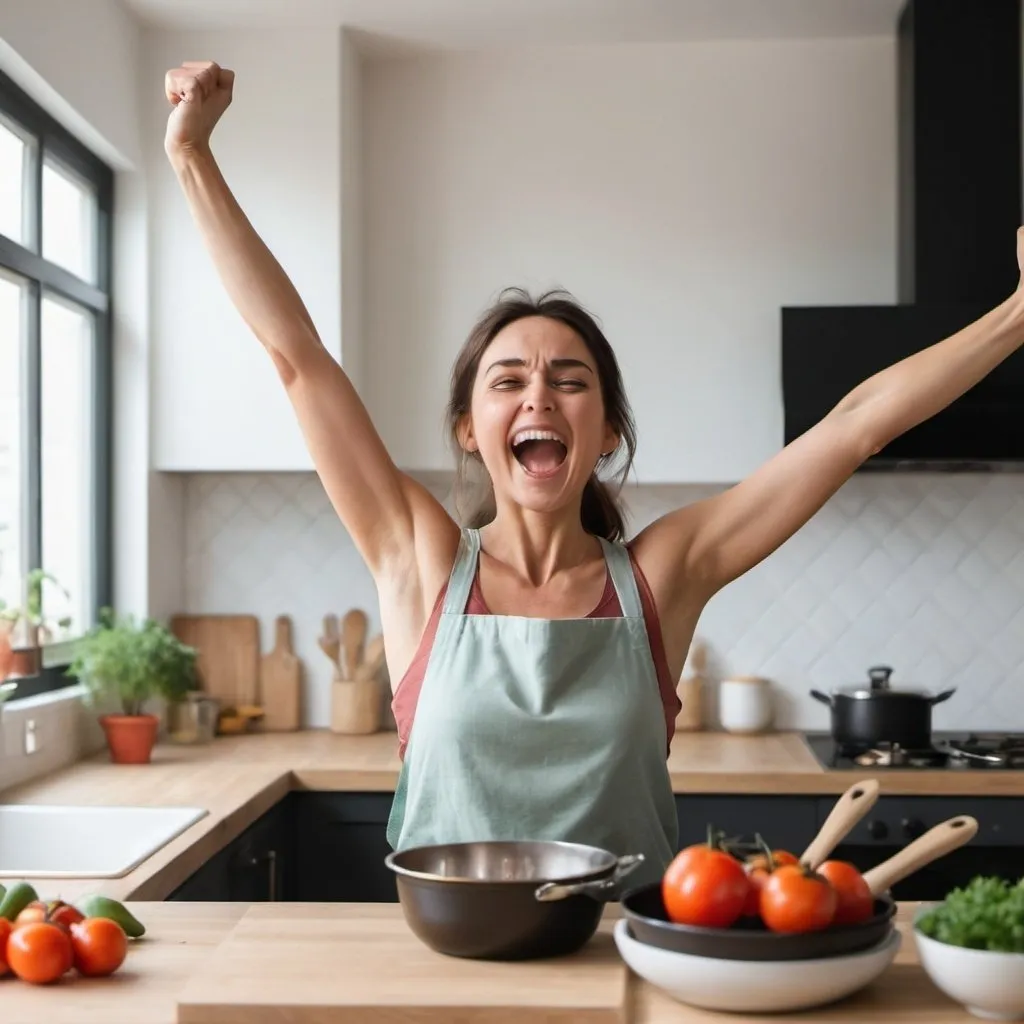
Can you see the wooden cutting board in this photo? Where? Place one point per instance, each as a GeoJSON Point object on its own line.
{"type": "Point", "coordinates": [306, 963]}
{"type": "Point", "coordinates": [281, 682]}
{"type": "Point", "coordinates": [229, 654]}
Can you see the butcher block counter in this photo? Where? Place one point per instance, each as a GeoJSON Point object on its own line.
{"type": "Point", "coordinates": [214, 963]}
{"type": "Point", "coordinates": [237, 779]}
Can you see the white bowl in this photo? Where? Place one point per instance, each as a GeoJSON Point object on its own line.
{"type": "Point", "coordinates": [990, 985]}
{"type": "Point", "coordinates": [754, 986]}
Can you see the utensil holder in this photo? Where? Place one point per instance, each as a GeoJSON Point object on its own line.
{"type": "Point", "coordinates": [356, 706]}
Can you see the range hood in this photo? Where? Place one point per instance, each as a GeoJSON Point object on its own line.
{"type": "Point", "coordinates": [959, 166]}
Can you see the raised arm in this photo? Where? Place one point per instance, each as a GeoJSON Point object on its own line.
{"type": "Point", "coordinates": [386, 513]}
{"type": "Point", "coordinates": [698, 549]}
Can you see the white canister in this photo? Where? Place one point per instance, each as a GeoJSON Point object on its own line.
{"type": "Point", "coordinates": [745, 704]}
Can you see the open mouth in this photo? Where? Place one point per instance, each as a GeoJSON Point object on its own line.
{"type": "Point", "coordinates": [540, 452]}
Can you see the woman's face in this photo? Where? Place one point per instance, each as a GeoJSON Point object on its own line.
{"type": "Point", "coordinates": [537, 416]}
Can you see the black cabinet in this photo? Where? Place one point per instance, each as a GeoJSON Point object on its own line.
{"type": "Point", "coordinates": [340, 846]}
{"type": "Point", "coordinates": [253, 868]}
{"type": "Point", "coordinates": [785, 822]}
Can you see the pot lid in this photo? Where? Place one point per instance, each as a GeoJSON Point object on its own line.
{"type": "Point", "coordinates": [879, 686]}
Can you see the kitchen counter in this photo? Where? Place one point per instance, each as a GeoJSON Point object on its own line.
{"type": "Point", "coordinates": [237, 779]}
{"type": "Point", "coordinates": [209, 963]}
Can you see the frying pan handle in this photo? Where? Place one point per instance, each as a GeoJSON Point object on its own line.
{"type": "Point", "coordinates": [849, 809]}
{"type": "Point", "coordinates": [551, 891]}
{"type": "Point", "coordinates": [945, 695]}
{"type": "Point", "coordinates": [935, 843]}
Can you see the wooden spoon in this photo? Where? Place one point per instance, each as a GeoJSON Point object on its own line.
{"type": "Point", "coordinates": [373, 661]}
{"type": "Point", "coordinates": [353, 637]}
{"type": "Point", "coordinates": [330, 642]}
{"type": "Point", "coordinates": [935, 843]}
{"type": "Point", "coordinates": [849, 809]}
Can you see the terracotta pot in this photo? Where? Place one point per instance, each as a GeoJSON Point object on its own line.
{"type": "Point", "coordinates": [130, 737]}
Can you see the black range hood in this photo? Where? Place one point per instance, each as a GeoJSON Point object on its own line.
{"type": "Point", "coordinates": [960, 183]}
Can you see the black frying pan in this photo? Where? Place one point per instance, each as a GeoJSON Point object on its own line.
{"type": "Point", "coordinates": [749, 939]}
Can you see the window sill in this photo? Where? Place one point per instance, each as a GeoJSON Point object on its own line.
{"type": "Point", "coordinates": [65, 695]}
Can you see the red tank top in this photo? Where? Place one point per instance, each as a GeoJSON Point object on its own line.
{"type": "Point", "coordinates": [407, 694]}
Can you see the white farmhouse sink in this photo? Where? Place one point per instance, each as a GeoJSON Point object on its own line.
{"type": "Point", "coordinates": [85, 842]}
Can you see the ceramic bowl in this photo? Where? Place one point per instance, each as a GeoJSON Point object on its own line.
{"type": "Point", "coordinates": [989, 985]}
{"type": "Point", "coordinates": [754, 986]}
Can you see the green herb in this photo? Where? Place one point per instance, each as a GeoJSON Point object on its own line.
{"type": "Point", "coordinates": [987, 913]}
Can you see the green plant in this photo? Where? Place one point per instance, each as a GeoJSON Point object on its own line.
{"type": "Point", "coordinates": [31, 615]}
{"type": "Point", "coordinates": [132, 662]}
{"type": "Point", "coordinates": [987, 913]}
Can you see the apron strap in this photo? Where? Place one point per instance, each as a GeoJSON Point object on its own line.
{"type": "Point", "coordinates": [620, 568]}
{"type": "Point", "coordinates": [460, 583]}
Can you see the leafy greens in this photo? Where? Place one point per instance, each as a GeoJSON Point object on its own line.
{"type": "Point", "coordinates": [987, 913]}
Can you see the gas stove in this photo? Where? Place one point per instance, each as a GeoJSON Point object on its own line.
{"type": "Point", "coordinates": [956, 751]}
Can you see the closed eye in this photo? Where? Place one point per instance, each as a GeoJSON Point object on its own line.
{"type": "Point", "coordinates": [506, 384]}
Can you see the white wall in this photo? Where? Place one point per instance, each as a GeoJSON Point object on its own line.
{"type": "Point", "coordinates": [683, 192]}
{"type": "Point", "coordinates": [279, 147]}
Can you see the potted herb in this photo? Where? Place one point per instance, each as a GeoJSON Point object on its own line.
{"type": "Point", "coordinates": [130, 663]}
{"type": "Point", "coordinates": [23, 630]}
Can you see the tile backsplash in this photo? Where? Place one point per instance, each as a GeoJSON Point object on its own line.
{"type": "Point", "coordinates": [921, 572]}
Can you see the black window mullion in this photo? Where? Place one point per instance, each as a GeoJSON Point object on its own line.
{"type": "Point", "coordinates": [33, 424]}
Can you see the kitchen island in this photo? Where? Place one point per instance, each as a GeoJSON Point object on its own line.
{"type": "Point", "coordinates": [206, 963]}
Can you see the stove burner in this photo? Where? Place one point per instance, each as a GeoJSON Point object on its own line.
{"type": "Point", "coordinates": [892, 755]}
{"type": "Point", "coordinates": [988, 750]}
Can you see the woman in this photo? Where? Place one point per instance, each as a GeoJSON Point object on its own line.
{"type": "Point", "coordinates": [534, 657]}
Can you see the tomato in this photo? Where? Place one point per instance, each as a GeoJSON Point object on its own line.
{"type": "Point", "coordinates": [39, 952]}
{"type": "Point", "coordinates": [854, 901]}
{"type": "Point", "coordinates": [5, 931]}
{"type": "Point", "coordinates": [704, 886]}
{"type": "Point", "coordinates": [64, 914]}
{"type": "Point", "coordinates": [779, 859]}
{"type": "Point", "coordinates": [100, 946]}
{"type": "Point", "coordinates": [33, 912]}
{"type": "Point", "coordinates": [794, 899]}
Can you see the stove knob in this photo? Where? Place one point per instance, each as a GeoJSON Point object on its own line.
{"type": "Point", "coordinates": [912, 828]}
{"type": "Point", "coordinates": [878, 829]}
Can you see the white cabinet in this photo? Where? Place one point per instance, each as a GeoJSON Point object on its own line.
{"type": "Point", "coordinates": [683, 192]}
{"type": "Point", "coordinates": [217, 401]}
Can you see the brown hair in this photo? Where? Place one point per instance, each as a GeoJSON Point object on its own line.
{"type": "Point", "coordinates": [601, 512]}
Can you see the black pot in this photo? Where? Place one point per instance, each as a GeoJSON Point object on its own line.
{"type": "Point", "coordinates": [863, 716]}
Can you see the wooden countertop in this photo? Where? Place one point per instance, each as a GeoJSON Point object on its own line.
{"type": "Point", "coordinates": [237, 779]}
{"type": "Point", "coordinates": [213, 963]}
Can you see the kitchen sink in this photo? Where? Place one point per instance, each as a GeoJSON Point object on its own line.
{"type": "Point", "coordinates": [85, 842]}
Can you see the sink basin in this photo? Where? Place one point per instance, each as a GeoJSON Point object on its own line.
{"type": "Point", "coordinates": [85, 842]}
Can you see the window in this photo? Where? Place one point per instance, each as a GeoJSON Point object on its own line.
{"type": "Point", "coordinates": [56, 199]}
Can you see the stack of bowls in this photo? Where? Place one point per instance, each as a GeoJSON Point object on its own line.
{"type": "Point", "coordinates": [747, 968]}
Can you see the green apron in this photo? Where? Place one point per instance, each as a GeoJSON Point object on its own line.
{"type": "Point", "coordinates": [539, 729]}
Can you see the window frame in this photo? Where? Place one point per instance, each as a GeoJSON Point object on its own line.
{"type": "Point", "coordinates": [52, 139]}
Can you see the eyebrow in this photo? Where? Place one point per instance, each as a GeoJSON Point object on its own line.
{"type": "Point", "coordinates": [558, 364]}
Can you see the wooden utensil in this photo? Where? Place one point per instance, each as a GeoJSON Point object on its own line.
{"type": "Point", "coordinates": [281, 682]}
{"type": "Point", "coordinates": [228, 662]}
{"type": "Point", "coordinates": [848, 810]}
{"type": "Point", "coordinates": [935, 843]}
{"type": "Point", "coordinates": [373, 662]}
{"type": "Point", "coordinates": [353, 637]}
{"type": "Point", "coordinates": [330, 641]}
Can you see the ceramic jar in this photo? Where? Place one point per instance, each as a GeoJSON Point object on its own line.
{"type": "Point", "coordinates": [745, 704]}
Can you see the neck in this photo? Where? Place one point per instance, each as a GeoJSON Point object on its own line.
{"type": "Point", "coordinates": [539, 545]}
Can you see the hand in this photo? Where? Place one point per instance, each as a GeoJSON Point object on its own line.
{"type": "Point", "coordinates": [1020, 258]}
{"type": "Point", "coordinates": [199, 91]}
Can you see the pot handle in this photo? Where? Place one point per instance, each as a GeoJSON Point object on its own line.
{"type": "Point", "coordinates": [940, 697]}
{"type": "Point", "coordinates": [551, 891]}
{"type": "Point", "coordinates": [824, 698]}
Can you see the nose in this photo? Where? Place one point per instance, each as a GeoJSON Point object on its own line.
{"type": "Point", "coordinates": [538, 397]}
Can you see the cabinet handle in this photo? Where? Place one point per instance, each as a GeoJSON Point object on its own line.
{"type": "Point", "coordinates": [272, 861]}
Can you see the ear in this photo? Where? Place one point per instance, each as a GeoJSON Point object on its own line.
{"type": "Point", "coordinates": [610, 441]}
{"type": "Point", "coordinates": [464, 432]}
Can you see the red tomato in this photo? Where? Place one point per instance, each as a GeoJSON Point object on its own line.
{"type": "Point", "coordinates": [39, 952]}
{"type": "Point", "coordinates": [704, 886]}
{"type": "Point", "coordinates": [5, 931]}
{"type": "Point", "coordinates": [854, 901]}
{"type": "Point", "coordinates": [64, 914]}
{"type": "Point", "coordinates": [32, 912]}
{"type": "Point", "coordinates": [794, 899]}
{"type": "Point", "coordinates": [779, 859]}
{"type": "Point", "coordinates": [100, 946]}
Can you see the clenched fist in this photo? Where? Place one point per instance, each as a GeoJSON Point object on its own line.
{"type": "Point", "coordinates": [199, 91]}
